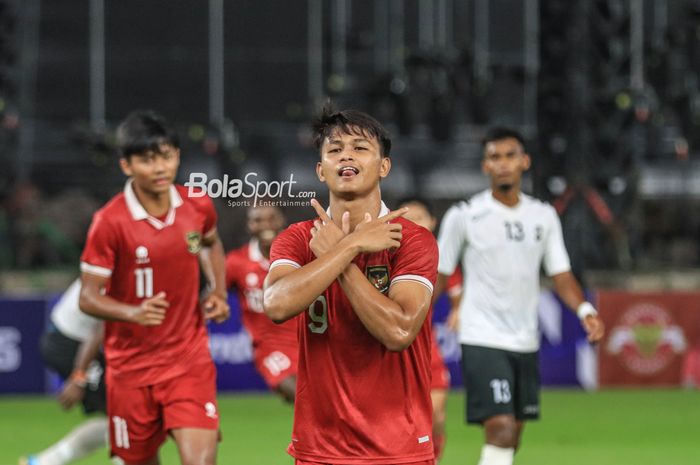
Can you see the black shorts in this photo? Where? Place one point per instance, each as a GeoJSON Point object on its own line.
{"type": "Point", "coordinates": [58, 352]}
{"type": "Point", "coordinates": [500, 382]}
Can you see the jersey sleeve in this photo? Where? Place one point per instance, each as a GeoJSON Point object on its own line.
{"type": "Point", "coordinates": [289, 248]}
{"type": "Point", "coordinates": [203, 203]}
{"type": "Point", "coordinates": [100, 251]}
{"type": "Point", "coordinates": [416, 260]}
{"type": "Point", "coordinates": [451, 241]}
{"type": "Point", "coordinates": [232, 267]}
{"type": "Point", "coordinates": [556, 259]}
{"type": "Point", "coordinates": [206, 205]}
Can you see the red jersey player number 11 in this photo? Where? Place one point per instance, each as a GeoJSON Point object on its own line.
{"type": "Point", "coordinates": [140, 272]}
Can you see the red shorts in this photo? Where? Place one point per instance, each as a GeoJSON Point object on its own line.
{"type": "Point", "coordinates": [438, 369]}
{"type": "Point", "coordinates": [304, 462]}
{"type": "Point", "coordinates": [140, 418]}
{"type": "Point", "coordinates": [276, 361]}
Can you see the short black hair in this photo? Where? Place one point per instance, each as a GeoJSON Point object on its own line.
{"type": "Point", "coordinates": [144, 131]}
{"type": "Point", "coordinates": [500, 133]}
{"type": "Point", "coordinates": [420, 201]}
{"type": "Point", "coordinates": [349, 122]}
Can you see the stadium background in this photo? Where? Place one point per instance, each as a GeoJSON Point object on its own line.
{"type": "Point", "coordinates": [606, 93]}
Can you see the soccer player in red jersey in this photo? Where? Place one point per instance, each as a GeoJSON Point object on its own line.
{"type": "Point", "coordinates": [420, 212]}
{"type": "Point", "coordinates": [361, 279]}
{"type": "Point", "coordinates": [275, 347]}
{"type": "Point", "coordinates": [140, 272]}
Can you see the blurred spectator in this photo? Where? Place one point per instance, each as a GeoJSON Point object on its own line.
{"type": "Point", "coordinates": [40, 232]}
{"type": "Point", "coordinates": [69, 214]}
{"type": "Point", "coordinates": [5, 245]}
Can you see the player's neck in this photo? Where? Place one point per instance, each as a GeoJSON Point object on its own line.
{"type": "Point", "coordinates": [265, 250]}
{"type": "Point", "coordinates": [508, 197]}
{"type": "Point", "coordinates": [156, 204]}
{"type": "Point", "coordinates": [357, 207]}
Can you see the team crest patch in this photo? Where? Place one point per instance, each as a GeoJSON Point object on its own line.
{"type": "Point", "coordinates": [378, 275]}
{"type": "Point", "coordinates": [194, 241]}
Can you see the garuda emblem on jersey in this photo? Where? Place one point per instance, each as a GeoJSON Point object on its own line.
{"type": "Point", "coordinates": [194, 241]}
{"type": "Point", "coordinates": [378, 275]}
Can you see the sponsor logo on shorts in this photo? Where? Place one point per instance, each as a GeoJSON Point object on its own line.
{"type": "Point", "coordinates": [646, 340]}
{"type": "Point", "coordinates": [210, 409]}
{"type": "Point", "coordinates": [531, 409]}
{"type": "Point", "coordinates": [423, 439]}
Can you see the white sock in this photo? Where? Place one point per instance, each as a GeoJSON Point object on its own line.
{"type": "Point", "coordinates": [87, 437]}
{"type": "Point", "coordinates": [492, 455]}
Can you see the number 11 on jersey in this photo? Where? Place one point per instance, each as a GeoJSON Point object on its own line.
{"type": "Point", "coordinates": [144, 282]}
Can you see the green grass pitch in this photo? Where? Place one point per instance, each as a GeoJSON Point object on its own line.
{"type": "Point", "coordinates": [621, 427]}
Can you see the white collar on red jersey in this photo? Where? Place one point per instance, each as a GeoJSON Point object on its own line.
{"type": "Point", "coordinates": [255, 254]}
{"type": "Point", "coordinates": [139, 213]}
{"type": "Point", "coordinates": [384, 210]}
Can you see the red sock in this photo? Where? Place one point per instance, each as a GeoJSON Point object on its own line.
{"type": "Point", "coordinates": [438, 446]}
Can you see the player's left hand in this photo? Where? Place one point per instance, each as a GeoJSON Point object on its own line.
{"type": "Point", "coordinates": [216, 308]}
{"type": "Point", "coordinates": [71, 394]}
{"type": "Point", "coordinates": [325, 234]}
{"type": "Point", "coordinates": [594, 327]}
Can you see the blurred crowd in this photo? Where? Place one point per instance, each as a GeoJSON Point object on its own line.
{"type": "Point", "coordinates": [40, 231]}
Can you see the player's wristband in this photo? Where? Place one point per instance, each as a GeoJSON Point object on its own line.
{"type": "Point", "coordinates": [586, 309]}
{"type": "Point", "coordinates": [78, 378]}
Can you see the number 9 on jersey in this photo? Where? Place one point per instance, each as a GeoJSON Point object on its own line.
{"type": "Point", "coordinates": [318, 313]}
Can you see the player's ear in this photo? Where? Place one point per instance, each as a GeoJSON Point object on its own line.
{"type": "Point", "coordinates": [384, 167]}
{"type": "Point", "coordinates": [319, 172]}
{"type": "Point", "coordinates": [484, 167]}
{"type": "Point", "coordinates": [125, 165]}
{"type": "Point", "coordinates": [527, 161]}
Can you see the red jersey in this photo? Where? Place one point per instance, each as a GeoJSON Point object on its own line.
{"type": "Point", "coordinates": [142, 256]}
{"type": "Point", "coordinates": [356, 401]}
{"type": "Point", "coordinates": [246, 269]}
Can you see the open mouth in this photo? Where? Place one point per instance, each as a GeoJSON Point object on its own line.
{"type": "Point", "coordinates": [347, 171]}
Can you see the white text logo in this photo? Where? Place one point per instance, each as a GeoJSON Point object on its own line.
{"type": "Point", "coordinates": [249, 187]}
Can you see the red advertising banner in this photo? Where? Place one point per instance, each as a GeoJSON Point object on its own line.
{"type": "Point", "coordinates": [648, 337]}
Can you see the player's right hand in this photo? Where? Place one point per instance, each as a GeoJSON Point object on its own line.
{"type": "Point", "coordinates": [325, 234]}
{"type": "Point", "coordinates": [151, 312]}
{"type": "Point", "coordinates": [374, 235]}
{"type": "Point", "coordinates": [594, 327]}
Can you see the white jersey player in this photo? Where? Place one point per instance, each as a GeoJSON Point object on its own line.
{"type": "Point", "coordinates": [67, 317]}
{"type": "Point", "coordinates": [502, 249]}
{"type": "Point", "coordinates": [70, 347]}
{"type": "Point", "coordinates": [502, 238]}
